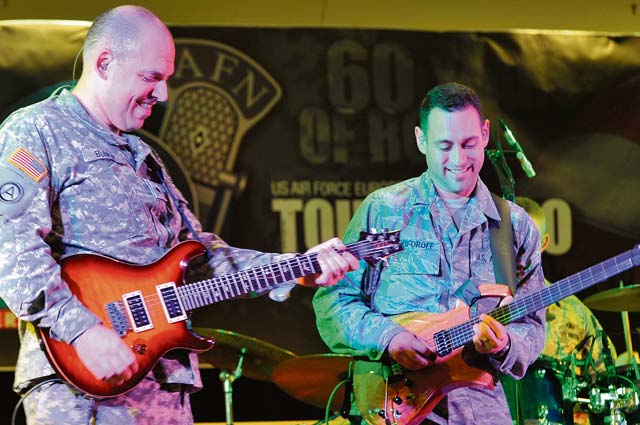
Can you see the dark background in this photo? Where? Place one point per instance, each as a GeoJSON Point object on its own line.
{"type": "Point", "coordinates": [570, 99]}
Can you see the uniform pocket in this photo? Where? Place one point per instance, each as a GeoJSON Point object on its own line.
{"type": "Point", "coordinates": [418, 257]}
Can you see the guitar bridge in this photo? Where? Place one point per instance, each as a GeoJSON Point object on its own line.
{"type": "Point", "coordinates": [118, 318]}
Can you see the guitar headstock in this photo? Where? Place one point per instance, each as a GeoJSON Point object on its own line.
{"type": "Point", "coordinates": [378, 245]}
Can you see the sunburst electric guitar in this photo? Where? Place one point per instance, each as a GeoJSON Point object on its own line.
{"type": "Point", "coordinates": [149, 305]}
{"type": "Point", "coordinates": [392, 396]}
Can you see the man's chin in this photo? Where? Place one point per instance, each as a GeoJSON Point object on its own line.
{"type": "Point", "coordinates": [133, 126]}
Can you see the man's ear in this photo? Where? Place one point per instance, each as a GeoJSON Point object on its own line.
{"type": "Point", "coordinates": [486, 132]}
{"type": "Point", "coordinates": [421, 140]}
{"type": "Point", "coordinates": [102, 63]}
{"type": "Point", "coordinates": [544, 242]}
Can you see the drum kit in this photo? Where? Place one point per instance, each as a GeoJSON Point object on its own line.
{"type": "Point", "coordinates": [552, 392]}
{"type": "Point", "coordinates": [313, 379]}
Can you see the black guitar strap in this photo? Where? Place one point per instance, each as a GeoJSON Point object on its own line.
{"type": "Point", "coordinates": [504, 268]}
{"type": "Point", "coordinates": [504, 263]}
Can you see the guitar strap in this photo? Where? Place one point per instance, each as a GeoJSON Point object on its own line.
{"type": "Point", "coordinates": [504, 269]}
{"type": "Point", "coordinates": [504, 263]}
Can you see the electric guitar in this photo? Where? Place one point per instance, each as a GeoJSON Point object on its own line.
{"type": "Point", "coordinates": [388, 396]}
{"type": "Point", "coordinates": [149, 305]}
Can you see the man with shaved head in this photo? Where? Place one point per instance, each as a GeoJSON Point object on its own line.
{"type": "Point", "coordinates": [72, 180]}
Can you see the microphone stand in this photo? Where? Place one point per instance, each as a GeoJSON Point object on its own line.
{"type": "Point", "coordinates": [499, 163]}
{"type": "Point", "coordinates": [507, 184]}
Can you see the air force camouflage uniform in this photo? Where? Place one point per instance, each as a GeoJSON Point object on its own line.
{"type": "Point", "coordinates": [438, 266]}
{"type": "Point", "coordinates": [69, 185]}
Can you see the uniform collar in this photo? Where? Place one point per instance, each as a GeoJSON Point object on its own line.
{"type": "Point", "coordinates": [71, 103]}
{"type": "Point", "coordinates": [426, 194]}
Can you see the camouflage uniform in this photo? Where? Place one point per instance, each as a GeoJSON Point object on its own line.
{"type": "Point", "coordinates": [439, 264]}
{"type": "Point", "coordinates": [69, 185]}
{"type": "Point", "coordinates": [573, 328]}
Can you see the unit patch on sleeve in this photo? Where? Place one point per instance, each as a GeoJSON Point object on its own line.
{"type": "Point", "coordinates": [29, 164]}
{"type": "Point", "coordinates": [16, 192]}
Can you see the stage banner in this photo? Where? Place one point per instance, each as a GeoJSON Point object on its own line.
{"type": "Point", "coordinates": [276, 135]}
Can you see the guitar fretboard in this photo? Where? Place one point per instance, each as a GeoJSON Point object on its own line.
{"type": "Point", "coordinates": [459, 335]}
{"type": "Point", "coordinates": [259, 279]}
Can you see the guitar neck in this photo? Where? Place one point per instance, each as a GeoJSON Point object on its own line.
{"type": "Point", "coordinates": [457, 336]}
{"type": "Point", "coordinates": [256, 280]}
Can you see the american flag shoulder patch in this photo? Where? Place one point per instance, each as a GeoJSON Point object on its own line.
{"type": "Point", "coordinates": [24, 160]}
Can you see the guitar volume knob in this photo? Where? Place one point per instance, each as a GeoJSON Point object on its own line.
{"type": "Point", "coordinates": [139, 347]}
{"type": "Point", "coordinates": [397, 400]}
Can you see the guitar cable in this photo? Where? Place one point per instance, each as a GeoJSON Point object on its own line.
{"type": "Point", "coordinates": [32, 389]}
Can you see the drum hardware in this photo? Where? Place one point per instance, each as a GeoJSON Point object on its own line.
{"type": "Point", "coordinates": [260, 358]}
{"type": "Point", "coordinates": [570, 383]}
{"type": "Point", "coordinates": [227, 385]}
{"type": "Point", "coordinates": [237, 355]}
{"type": "Point", "coordinates": [614, 402]}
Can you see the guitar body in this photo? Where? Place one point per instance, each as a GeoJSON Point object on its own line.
{"type": "Point", "coordinates": [419, 391]}
{"type": "Point", "coordinates": [97, 281]}
{"type": "Point", "coordinates": [149, 305]}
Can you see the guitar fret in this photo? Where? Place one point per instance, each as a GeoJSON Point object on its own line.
{"type": "Point", "coordinates": [235, 284]}
{"type": "Point", "coordinates": [270, 275]}
{"type": "Point", "coordinates": [256, 276]}
{"type": "Point", "coordinates": [216, 294]}
{"type": "Point", "coordinates": [300, 268]}
{"type": "Point", "coordinates": [245, 275]}
{"type": "Point", "coordinates": [186, 297]}
{"type": "Point", "coordinates": [281, 271]}
{"type": "Point", "coordinates": [309, 269]}
{"type": "Point", "coordinates": [292, 274]}
{"type": "Point", "coordinates": [207, 292]}
{"type": "Point", "coordinates": [225, 289]}
{"type": "Point", "coordinates": [230, 289]}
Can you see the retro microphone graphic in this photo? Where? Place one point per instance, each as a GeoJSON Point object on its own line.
{"type": "Point", "coordinates": [524, 161]}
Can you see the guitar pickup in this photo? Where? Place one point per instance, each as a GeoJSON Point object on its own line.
{"type": "Point", "coordinates": [171, 303]}
{"type": "Point", "coordinates": [137, 310]}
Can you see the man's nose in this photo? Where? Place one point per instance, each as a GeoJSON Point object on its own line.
{"type": "Point", "coordinates": [161, 91]}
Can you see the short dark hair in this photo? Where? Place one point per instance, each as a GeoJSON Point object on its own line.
{"type": "Point", "coordinates": [449, 97]}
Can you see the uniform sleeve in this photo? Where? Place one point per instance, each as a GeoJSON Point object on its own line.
{"type": "Point", "coordinates": [344, 317]}
{"type": "Point", "coordinates": [527, 335]}
{"type": "Point", "coordinates": [30, 281]}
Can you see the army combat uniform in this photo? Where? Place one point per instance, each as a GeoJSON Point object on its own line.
{"type": "Point", "coordinates": [69, 185]}
{"type": "Point", "coordinates": [438, 266]}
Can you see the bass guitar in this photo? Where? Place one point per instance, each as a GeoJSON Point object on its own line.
{"type": "Point", "coordinates": [388, 395]}
{"type": "Point", "coordinates": [149, 305]}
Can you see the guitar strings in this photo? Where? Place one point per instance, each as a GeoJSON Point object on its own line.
{"type": "Point", "coordinates": [208, 287]}
{"type": "Point", "coordinates": [463, 333]}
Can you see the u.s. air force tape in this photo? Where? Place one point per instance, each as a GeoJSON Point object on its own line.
{"type": "Point", "coordinates": [16, 192]}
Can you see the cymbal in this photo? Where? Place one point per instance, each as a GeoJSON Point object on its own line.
{"type": "Point", "coordinates": [626, 298]}
{"type": "Point", "coordinates": [311, 379]}
{"type": "Point", "coordinates": [259, 360]}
